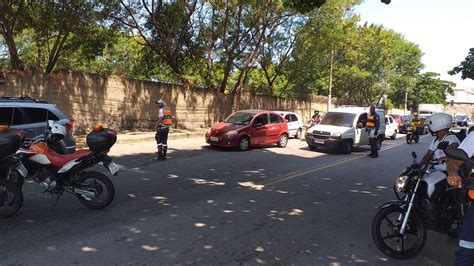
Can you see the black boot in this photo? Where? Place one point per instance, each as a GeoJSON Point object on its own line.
{"type": "Point", "coordinates": [165, 150]}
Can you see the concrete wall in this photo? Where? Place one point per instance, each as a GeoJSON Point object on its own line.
{"type": "Point", "coordinates": [467, 108]}
{"type": "Point", "coordinates": [126, 104]}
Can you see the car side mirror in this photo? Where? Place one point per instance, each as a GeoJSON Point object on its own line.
{"type": "Point", "coordinates": [287, 121]}
{"type": "Point", "coordinates": [443, 145]}
{"type": "Point", "coordinates": [413, 154]}
{"type": "Point", "coordinates": [456, 154]}
{"type": "Point", "coordinates": [360, 125]}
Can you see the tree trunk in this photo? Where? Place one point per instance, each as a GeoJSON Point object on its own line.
{"type": "Point", "coordinates": [15, 60]}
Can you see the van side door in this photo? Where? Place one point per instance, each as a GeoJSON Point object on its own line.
{"type": "Point", "coordinates": [361, 135]}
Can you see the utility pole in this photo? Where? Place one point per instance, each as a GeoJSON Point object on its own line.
{"type": "Point", "coordinates": [331, 61]}
{"type": "Point", "coordinates": [406, 102]}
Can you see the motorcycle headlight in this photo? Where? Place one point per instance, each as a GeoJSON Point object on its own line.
{"type": "Point", "coordinates": [400, 183]}
{"type": "Point", "coordinates": [231, 134]}
{"type": "Point", "coordinates": [409, 127]}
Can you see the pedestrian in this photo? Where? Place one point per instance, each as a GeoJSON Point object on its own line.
{"type": "Point", "coordinates": [315, 119]}
{"type": "Point", "coordinates": [165, 120]}
{"type": "Point", "coordinates": [465, 254]}
{"type": "Point", "coordinates": [372, 126]}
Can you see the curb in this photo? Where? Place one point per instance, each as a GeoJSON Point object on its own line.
{"type": "Point", "coordinates": [121, 139]}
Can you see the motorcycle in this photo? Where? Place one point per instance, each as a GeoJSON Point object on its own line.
{"type": "Point", "coordinates": [399, 228]}
{"type": "Point", "coordinates": [58, 173]}
{"type": "Point", "coordinates": [11, 168]}
{"type": "Point", "coordinates": [412, 134]}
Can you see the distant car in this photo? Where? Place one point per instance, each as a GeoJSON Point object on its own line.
{"type": "Point", "coordinates": [295, 123]}
{"type": "Point", "coordinates": [31, 116]}
{"type": "Point", "coordinates": [461, 120]}
{"type": "Point", "coordinates": [247, 128]}
{"type": "Point", "coordinates": [423, 118]}
{"type": "Point", "coordinates": [391, 127]}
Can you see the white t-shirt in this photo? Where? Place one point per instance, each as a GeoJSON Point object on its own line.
{"type": "Point", "coordinates": [440, 153]}
{"type": "Point", "coordinates": [467, 144]}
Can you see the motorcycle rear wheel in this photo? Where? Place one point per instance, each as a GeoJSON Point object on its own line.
{"type": "Point", "coordinates": [393, 217]}
{"type": "Point", "coordinates": [100, 184]}
{"type": "Point", "coordinates": [11, 198]}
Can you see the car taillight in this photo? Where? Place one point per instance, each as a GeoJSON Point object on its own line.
{"type": "Point", "coordinates": [70, 124]}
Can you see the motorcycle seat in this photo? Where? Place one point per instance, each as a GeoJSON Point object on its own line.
{"type": "Point", "coordinates": [60, 160]}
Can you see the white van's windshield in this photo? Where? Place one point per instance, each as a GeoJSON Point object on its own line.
{"type": "Point", "coordinates": [338, 119]}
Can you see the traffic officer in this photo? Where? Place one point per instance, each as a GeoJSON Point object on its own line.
{"type": "Point", "coordinates": [465, 255]}
{"type": "Point", "coordinates": [372, 126]}
{"type": "Point", "coordinates": [162, 129]}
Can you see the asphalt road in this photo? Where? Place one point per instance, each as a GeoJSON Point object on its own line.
{"type": "Point", "coordinates": [208, 206]}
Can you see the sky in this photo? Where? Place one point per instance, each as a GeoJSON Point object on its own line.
{"type": "Point", "coordinates": [443, 29]}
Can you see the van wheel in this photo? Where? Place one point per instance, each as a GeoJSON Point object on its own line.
{"type": "Point", "coordinates": [394, 136]}
{"type": "Point", "coordinates": [244, 144]}
{"type": "Point", "coordinates": [298, 134]}
{"type": "Point", "coordinates": [282, 141]}
{"type": "Point", "coordinates": [347, 147]}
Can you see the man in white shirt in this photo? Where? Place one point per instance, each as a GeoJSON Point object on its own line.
{"type": "Point", "coordinates": [439, 125]}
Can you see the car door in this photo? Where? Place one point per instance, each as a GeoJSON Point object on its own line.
{"type": "Point", "coordinates": [273, 129]}
{"type": "Point", "coordinates": [361, 136]}
{"type": "Point", "coordinates": [389, 126]}
{"type": "Point", "coordinates": [259, 129]}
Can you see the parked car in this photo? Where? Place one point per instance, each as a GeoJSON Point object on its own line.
{"type": "Point", "coordinates": [391, 127]}
{"type": "Point", "coordinates": [461, 119]}
{"type": "Point", "coordinates": [31, 116]}
{"type": "Point", "coordinates": [247, 128]}
{"type": "Point", "coordinates": [398, 118]}
{"type": "Point", "coordinates": [343, 129]}
{"type": "Point", "coordinates": [295, 123]}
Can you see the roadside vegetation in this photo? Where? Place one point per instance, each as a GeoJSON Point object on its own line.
{"type": "Point", "coordinates": [291, 48]}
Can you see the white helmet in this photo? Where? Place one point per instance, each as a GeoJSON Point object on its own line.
{"type": "Point", "coordinates": [57, 130]}
{"type": "Point", "coordinates": [439, 121]}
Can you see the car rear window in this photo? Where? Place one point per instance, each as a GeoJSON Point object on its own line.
{"type": "Point", "coordinates": [39, 115]}
{"type": "Point", "coordinates": [275, 119]}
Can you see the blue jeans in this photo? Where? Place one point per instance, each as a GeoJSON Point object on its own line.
{"type": "Point", "coordinates": [465, 254]}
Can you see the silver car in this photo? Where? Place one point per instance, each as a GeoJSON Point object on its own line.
{"type": "Point", "coordinates": [30, 115]}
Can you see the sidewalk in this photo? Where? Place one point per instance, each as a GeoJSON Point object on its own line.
{"type": "Point", "coordinates": [131, 137]}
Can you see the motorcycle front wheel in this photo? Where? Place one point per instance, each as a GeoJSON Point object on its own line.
{"type": "Point", "coordinates": [385, 233]}
{"type": "Point", "coordinates": [408, 137]}
{"type": "Point", "coordinates": [11, 198]}
{"type": "Point", "coordinates": [102, 187]}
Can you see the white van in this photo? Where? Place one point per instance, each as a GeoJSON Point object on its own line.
{"type": "Point", "coordinates": [344, 128]}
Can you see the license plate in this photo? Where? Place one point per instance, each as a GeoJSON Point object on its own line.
{"type": "Point", "coordinates": [113, 167]}
{"type": "Point", "coordinates": [22, 170]}
{"type": "Point", "coordinates": [215, 139]}
{"type": "Point", "coordinates": [319, 141]}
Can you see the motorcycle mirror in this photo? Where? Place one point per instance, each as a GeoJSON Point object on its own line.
{"type": "Point", "coordinates": [413, 154]}
{"type": "Point", "coordinates": [456, 154]}
{"type": "Point", "coordinates": [443, 145]}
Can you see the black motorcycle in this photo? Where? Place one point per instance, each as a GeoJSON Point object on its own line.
{"type": "Point", "coordinates": [424, 202]}
{"type": "Point", "coordinates": [12, 172]}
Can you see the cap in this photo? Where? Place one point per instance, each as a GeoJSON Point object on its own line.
{"type": "Point", "coordinates": [160, 101]}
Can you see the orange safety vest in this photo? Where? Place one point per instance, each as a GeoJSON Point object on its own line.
{"type": "Point", "coordinates": [167, 117]}
{"type": "Point", "coordinates": [370, 121]}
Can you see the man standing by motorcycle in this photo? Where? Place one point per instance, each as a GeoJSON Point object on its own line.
{"type": "Point", "coordinates": [439, 125]}
{"type": "Point", "coordinates": [372, 126]}
{"type": "Point", "coordinates": [162, 129]}
{"type": "Point", "coordinates": [465, 255]}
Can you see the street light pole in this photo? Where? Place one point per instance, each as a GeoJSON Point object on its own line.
{"type": "Point", "coordinates": [331, 59]}
{"type": "Point", "coordinates": [406, 101]}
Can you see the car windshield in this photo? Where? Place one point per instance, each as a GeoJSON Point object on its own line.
{"type": "Point", "coordinates": [240, 118]}
{"type": "Point", "coordinates": [338, 119]}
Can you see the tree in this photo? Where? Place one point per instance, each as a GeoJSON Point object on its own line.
{"type": "Point", "coordinates": [466, 68]}
{"type": "Point", "coordinates": [429, 88]}
{"type": "Point", "coordinates": [11, 13]}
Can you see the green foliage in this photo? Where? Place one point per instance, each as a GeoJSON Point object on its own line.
{"type": "Point", "coordinates": [466, 68]}
{"type": "Point", "coordinates": [429, 88]}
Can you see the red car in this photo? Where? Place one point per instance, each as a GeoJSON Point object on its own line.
{"type": "Point", "coordinates": [247, 128]}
